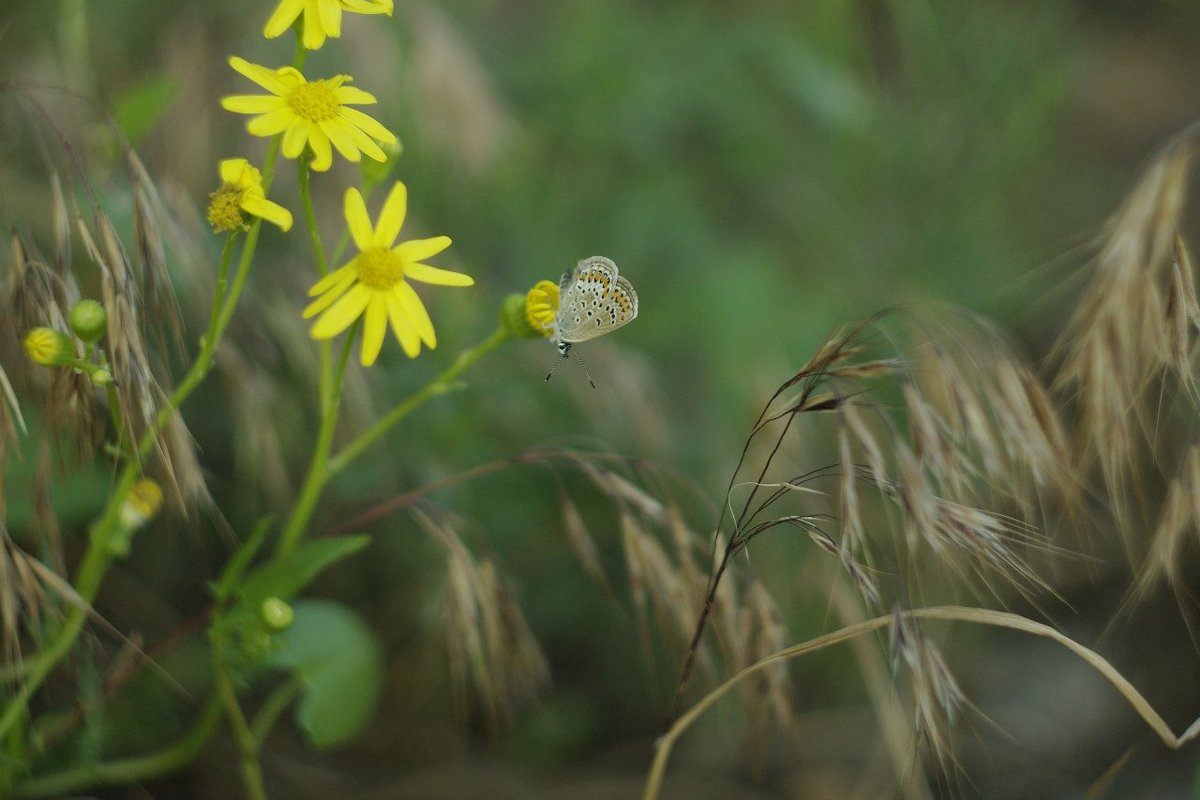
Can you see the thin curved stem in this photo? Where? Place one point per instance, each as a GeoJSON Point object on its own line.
{"type": "Point", "coordinates": [128, 770]}
{"type": "Point", "coordinates": [980, 616]}
{"type": "Point", "coordinates": [439, 385]}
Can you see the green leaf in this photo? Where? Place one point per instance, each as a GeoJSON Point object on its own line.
{"type": "Point", "coordinates": [138, 110]}
{"type": "Point", "coordinates": [284, 577]}
{"type": "Point", "coordinates": [341, 665]}
{"type": "Point", "coordinates": [240, 560]}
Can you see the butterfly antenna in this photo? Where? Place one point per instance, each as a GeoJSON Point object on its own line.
{"type": "Point", "coordinates": [561, 356]}
{"type": "Point", "coordinates": [585, 370]}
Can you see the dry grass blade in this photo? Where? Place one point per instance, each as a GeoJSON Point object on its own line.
{"type": "Point", "coordinates": [1178, 520]}
{"type": "Point", "coordinates": [1183, 311]}
{"type": "Point", "coordinates": [582, 543]}
{"type": "Point", "coordinates": [978, 616]}
{"type": "Point", "coordinates": [11, 412]}
{"type": "Point", "coordinates": [1124, 332]}
{"type": "Point", "coordinates": [490, 646]}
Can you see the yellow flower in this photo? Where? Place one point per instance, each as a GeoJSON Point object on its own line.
{"type": "Point", "coordinates": [322, 18]}
{"type": "Point", "coordinates": [313, 113]}
{"type": "Point", "coordinates": [541, 306]}
{"type": "Point", "coordinates": [375, 283]}
{"type": "Point", "coordinates": [242, 191]}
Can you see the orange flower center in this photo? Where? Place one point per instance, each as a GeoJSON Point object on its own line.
{"type": "Point", "coordinates": [314, 101]}
{"type": "Point", "coordinates": [380, 268]}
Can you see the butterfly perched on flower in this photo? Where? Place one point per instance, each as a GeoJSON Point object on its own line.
{"type": "Point", "coordinates": [592, 300]}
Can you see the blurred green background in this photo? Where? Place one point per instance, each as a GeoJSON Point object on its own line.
{"type": "Point", "coordinates": [761, 171]}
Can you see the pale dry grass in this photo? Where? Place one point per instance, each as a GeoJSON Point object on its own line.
{"type": "Point", "coordinates": [959, 468]}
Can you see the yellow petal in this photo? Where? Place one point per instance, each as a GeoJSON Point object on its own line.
{"type": "Point", "coordinates": [331, 17]}
{"type": "Point", "coordinates": [275, 122]}
{"type": "Point", "coordinates": [231, 169]}
{"type": "Point", "coordinates": [314, 31]}
{"type": "Point", "coordinates": [294, 138]}
{"type": "Point", "coordinates": [357, 220]}
{"type": "Point", "coordinates": [354, 96]}
{"type": "Point", "coordinates": [406, 334]}
{"type": "Point", "coordinates": [439, 277]}
{"type": "Point", "coordinates": [369, 6]}
{"type": "Point", "coordinates": [322, 152]}
{"type": "Point", "coordinates": [374, 328]}
{"type": "Point", "coordinates": [329, 296]}
{"type": "Point", "coordinates": [369, 125]}
{"type": "Point", "coordinates": [391, 218]}
{"type": "Point", "coordinates": [341, 273]}
{"type": "Point", "coordinates": [283, 17]}
{"type": "Point", "coordinates": [363, 142]}
{"type": "Point", "coordinates": [343, 143]}
{"type": "Point", "coordinates": [269, 79]}
{"type": "Point", "coordinates": [420, 249]}
{"type": "Point", "coordinates": [341, 315]}
{"type": "Point", "coordinates": [414, 309]}
{"type": "Point", "coordinates": [253, 103]}
{"type": "Point", "coordinates": [271, 212]}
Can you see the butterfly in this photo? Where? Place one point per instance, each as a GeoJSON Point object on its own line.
{"type": "Point", "coordinates": [592, 300]}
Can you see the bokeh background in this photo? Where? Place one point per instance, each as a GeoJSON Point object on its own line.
{"type": "Point", "coordinates": [762, 172]}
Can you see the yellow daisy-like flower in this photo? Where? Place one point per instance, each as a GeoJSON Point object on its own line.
{"type": "Point", "coordinates": [375, 284]}
{"type": "Point", "coordinates": [322, 18]}
{"type": "Point", "coordinates": [312, 113]}
{"type": "Point", "coordinates": [242, 193]}
{"type": "Point", "coordinates": [541, 307]}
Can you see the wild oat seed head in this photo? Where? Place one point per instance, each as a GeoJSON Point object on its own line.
{"type": "Point", "coordinates": [49, 347]}
{"type": "Point", "coordinates": [314, 114]}
{"type": "Point", "coordinates": [375, 284]}
{"type": "Point", "coordinates": [242, 193]}
{"type": "Point", "coordinates": [321, 18]}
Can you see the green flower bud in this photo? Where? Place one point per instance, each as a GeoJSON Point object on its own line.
{"type": "Point", "coordinates": [376, 172]}
{"type": "Point", "coordinates": [101, 377]}
{"type": "Point", "coordinates": [276, 615]}
{"type": "Point", "coordinates": [89, 320]}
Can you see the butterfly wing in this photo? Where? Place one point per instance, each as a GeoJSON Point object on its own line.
{"type": "Point", "coordinates": [594, 301]}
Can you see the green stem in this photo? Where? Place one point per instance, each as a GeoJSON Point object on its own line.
{"type": "Point", "coordinates": [128, 770]}
{"type": "Point", "coordinates": [323, 467]}
{"type": "Point", "coordinates": [318, 468]}
{"type": "Point", "coordinates": [310, 216]}
{"type": "Point", "coordinates": [222, 285]}
{"type": "Point", "coordinates": [278, 701]}
{"type": "Point", "coordinates": [439, 385]}
{"type": "Point", "coordinates": [242, 735]}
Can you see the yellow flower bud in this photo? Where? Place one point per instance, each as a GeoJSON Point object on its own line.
{"type": "Point", "coordinates": [141, 504]}
{"type": "Point", "coordinates": [532, 316]}
{"type": "Point", "coordinates": [49, 347]}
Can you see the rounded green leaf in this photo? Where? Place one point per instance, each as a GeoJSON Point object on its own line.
{"type": "Point", "coordinates": [341, 665]}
